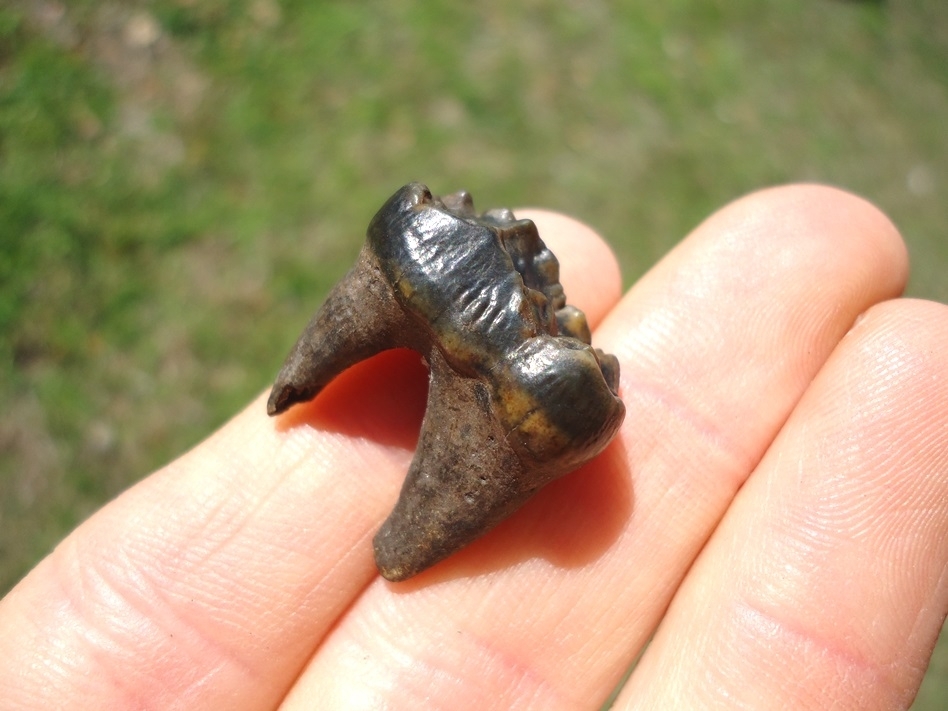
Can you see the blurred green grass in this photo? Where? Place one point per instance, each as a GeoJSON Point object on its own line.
{"type": "Point", "coordinates": [181, 182]}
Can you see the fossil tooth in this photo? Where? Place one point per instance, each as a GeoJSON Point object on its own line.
{"type": "Point", "coordinates": [517, 395]}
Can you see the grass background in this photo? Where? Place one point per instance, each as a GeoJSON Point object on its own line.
{"type": "Point", "coordinates": [181, 181]}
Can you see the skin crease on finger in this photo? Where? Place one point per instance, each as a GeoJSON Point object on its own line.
{"type": "Point", "coordinates": [215, 578]}
{"type": "Point", "coordinates": [752, 302]}
{"type": "Point", "coordinates": [825, 586]}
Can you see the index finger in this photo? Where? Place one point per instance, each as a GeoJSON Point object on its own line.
{"type": "Point", "coordinates": [217, 577]}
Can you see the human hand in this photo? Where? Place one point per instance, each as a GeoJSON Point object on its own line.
{"type": "Point", "coordinates": [774, 511]}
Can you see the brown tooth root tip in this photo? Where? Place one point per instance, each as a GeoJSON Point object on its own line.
{"type": "Point", "coordinates": [517, 396]}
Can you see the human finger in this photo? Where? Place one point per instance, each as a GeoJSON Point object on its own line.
{"type": "Point", "coordinates": [824, 586]}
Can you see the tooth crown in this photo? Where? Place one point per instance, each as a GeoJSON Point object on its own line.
{"type": "Point", "coordinates": [517, 395]}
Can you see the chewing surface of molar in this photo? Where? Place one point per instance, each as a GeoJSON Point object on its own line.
{"type": "Point", "coordinates": [517, 395]}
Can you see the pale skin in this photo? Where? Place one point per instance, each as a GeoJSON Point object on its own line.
{"type": "Point", "coordinates": [774, 511]}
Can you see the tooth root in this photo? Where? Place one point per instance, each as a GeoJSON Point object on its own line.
{"type": "Point", "coordinates": [465, 479]}
{"type": "Point", "coordinates": [359, 319]}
